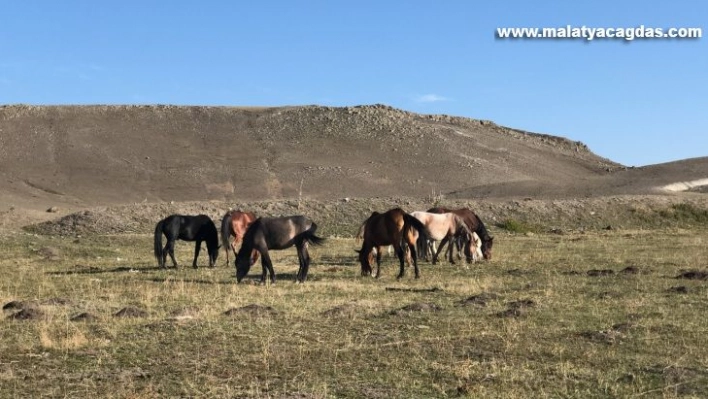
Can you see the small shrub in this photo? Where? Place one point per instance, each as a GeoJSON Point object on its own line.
{"type": "Point", "coordinates": [516, 226]}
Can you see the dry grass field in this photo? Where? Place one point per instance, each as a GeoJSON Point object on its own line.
{"type": "Point", "coordinates": [617, 313]}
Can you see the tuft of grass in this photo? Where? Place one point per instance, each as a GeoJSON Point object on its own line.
{"type": "Point", "coordinates": [516, 226]}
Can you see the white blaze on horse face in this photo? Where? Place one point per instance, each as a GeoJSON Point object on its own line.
{"type": "Point", "coordinates": [477, 247]}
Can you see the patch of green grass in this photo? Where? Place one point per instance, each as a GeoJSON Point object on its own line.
{"type": "Point", "coordinates": [516, 226]}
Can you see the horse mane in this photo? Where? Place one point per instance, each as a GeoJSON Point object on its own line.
{"type": "Point", "coordinates": [247, 242]}
{"type": "Point", "coordinates": [461, 224]}
{"type": "Point", "coordinates": [482, 229]}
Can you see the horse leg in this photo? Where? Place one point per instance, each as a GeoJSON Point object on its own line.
{"type": "Point", "coordinates": [400, 253]}
{"type": "Point", "coordinates": [267, 265]}
{"type": "Point", "coordinates": [254, 257]}
{"type": "Point", "coordinates": [414, 257]}
{"type": "Point", "coordinates": [364, 254]}
{"type": "Point", "coordinates": [170, 249]}
{"type": "Point", "coordinates": [378, 262]}
{"type": "Point", "coordinates": [198, 246]}
{"type": "Point", "coordinates": [304, 259]}
{"type": "Point", "coordinates": [440, 247]}
{"type": "Point", "coordinates": [233, 248]}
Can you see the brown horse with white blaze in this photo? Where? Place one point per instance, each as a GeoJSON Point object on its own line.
{"type": "Point", "coordinates": [393, 227]}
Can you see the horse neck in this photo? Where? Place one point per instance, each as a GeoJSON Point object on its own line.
{"type": "Point", "coordinates": [481, 229]}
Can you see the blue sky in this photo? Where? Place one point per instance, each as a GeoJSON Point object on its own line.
{"type": "Point", "coordinates": [637, 103]}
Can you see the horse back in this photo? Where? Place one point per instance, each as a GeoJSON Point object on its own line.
{"type": "Point", "coordinates": [280, 232]}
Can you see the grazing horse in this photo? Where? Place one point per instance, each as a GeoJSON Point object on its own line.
{"type": "Point", "coordinates": [277, 233]}
{"type": "Point", "coordinates": [475, 224]}
{"type": "Point", "coordinates": [444, 227]}
{"type": "Point", "coordinates": [235, 223]}
{"type": "Point", "coordinates": [394, 227]}
{"type": "Point", "coordinates": [188, 228]}
{"type": "Point", "coordinates": [476, 248]}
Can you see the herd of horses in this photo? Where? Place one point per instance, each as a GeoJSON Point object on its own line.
{"type": "Point", "coordinates": [409, 235]}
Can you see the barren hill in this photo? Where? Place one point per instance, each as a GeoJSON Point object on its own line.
{"type": "Point", "coordinates": [82, 156]}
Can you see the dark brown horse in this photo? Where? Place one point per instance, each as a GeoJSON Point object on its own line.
{"type": "Point", "coordinates": [475, 224]}
{"type": "Point", "coordinates": [235, 223]}
{"type": "Point", "coordinates": [277, 233]}
{"type": "Point", "coordinates": [394, 227]}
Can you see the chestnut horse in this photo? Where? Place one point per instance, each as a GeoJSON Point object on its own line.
{"type": "Point", "coordinates": [393, 227]}
{"type": "Point", "coordinates": [475, 224]}
{"type": "Point", "coordinates": [235, 223]}
{"type": "Point", "coordinates": [445, 227]}
{"type": "Point", "coordinates": [277, 233]}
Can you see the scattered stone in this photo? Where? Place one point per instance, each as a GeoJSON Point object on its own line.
{"type": "Point", "coordinates": [53, 209]}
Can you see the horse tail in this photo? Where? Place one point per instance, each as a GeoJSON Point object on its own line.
{"type": "Point", "coordinates": [410, 221]}
{"type": "Point", "coordinates": [360, 233]}
{"type": "Point", "coordinates": [226, 230]}
{"type": "Point", "coordinates": [309, 235]}
{"type": "Point", "coordinates": [158, 242]}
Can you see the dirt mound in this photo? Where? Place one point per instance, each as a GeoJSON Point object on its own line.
{"type": "Point", "coordinates": [251, 310]}
{"type": "Point", "coordinates": [130, 312]}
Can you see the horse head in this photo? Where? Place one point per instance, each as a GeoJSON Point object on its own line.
{"type": "Point", "coordinates": [487, 244]}
{"type": "Point", "coordinates": [243, 265]}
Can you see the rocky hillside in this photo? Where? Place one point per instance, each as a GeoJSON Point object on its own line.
{"type": "Point", "coordinates": [97, 155]}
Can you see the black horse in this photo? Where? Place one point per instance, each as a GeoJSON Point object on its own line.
{"type": "Point", "coordinates": [188, 228]}
{"type": "Point", "coordinates": [277, 233]}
